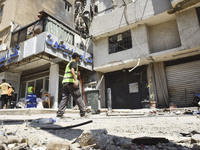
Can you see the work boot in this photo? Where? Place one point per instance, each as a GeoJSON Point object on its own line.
{"type": "Point", "coordinates": [82, 114]}
{"type": "Point", "coordinates": [59, 115]}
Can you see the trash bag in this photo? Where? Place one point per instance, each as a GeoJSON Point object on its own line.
{"type": "Point", "coordinates": [20, 105]}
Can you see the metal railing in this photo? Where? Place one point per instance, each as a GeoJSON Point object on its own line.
{"type": "Point", "coordinates": [47, 24]}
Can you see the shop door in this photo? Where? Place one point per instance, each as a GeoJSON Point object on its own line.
{"type": "Point", "coordinates": [183, 81]}
{"type": "Point", "coordinates": [128, 88]}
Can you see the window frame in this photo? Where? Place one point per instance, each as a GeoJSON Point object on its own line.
{"type": "Point", "coordinates": [198, 13]}
{"type": "Point", "coordinates": [1, 12]}
{"type": "Point", "coordinates": [26, 83]}
{"type": "Point", "coordinates": [67, 6]}
{"type": "Point", "coordinates": [120, 42]}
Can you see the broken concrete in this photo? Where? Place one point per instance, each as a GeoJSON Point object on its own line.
{"type": "Point", "coordinates": [105, 132]}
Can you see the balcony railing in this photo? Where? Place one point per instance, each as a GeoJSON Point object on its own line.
{"type": "Point", "coordinates": [46, 24]}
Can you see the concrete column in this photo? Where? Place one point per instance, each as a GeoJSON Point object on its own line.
{"type": "Point", "coordinates": [54, 84]}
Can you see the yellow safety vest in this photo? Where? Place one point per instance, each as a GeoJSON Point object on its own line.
{"type": "Point", "coordinates": [30, 91]}
{"type": "Point", "coordinates": [68, 78]}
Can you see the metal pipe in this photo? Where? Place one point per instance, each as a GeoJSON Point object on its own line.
{"type": "Point", "coordinates": [138, 63]}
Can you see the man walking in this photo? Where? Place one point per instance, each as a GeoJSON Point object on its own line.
{"type": "Point", "coordinates": [4, 92]}
{"type": "Point", "coordinates": [70, 86]}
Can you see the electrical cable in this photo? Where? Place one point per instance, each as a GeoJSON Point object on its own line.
{"type": "Point", "coordinates": [126, 18]}
{"type": "Point", "coordinates": [140, 48]}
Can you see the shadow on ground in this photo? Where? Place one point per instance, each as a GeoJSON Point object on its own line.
{"type": "Point", "coordinates": [100, 138]}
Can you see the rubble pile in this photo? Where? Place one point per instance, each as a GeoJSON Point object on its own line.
{"type": "Point", "coordinates": [96, 140]}
{"type": "Point", "coordinates": [14, 141]}
{"type": "Point", "coordinates": [101, 140]}
{"type": "Point", "coordinates": [152, 132]}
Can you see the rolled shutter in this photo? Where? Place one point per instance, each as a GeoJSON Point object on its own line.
{"type": "Point", "coordinates": [183, 81]}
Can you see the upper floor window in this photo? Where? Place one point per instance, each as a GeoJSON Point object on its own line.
{"type": "Point", "coordinates": [120, 42]}
{"type": "Point", "coordinates": [1, 12]}
{"type": "Point", "coordinates": [198, 13]}
{"type": "Point", "coordinates": [68, 6]}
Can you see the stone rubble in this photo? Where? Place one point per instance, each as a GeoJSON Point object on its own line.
{"type": "Point", "coordinates": [100, 139]}
{"type": "Point", "coordinates": [92, 140]}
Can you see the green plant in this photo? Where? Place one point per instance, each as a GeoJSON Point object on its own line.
{"type": "Point", "coordinates": [151, 94]}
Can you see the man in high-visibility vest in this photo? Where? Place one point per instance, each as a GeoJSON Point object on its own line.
{"type": "Point", "coordinates": [70, 86]}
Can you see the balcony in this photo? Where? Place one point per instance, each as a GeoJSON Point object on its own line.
{"type": "Point", "coordinates": [180, 5]}
{"type": "Point", "coordinates": [41, 42]}
{"type": "Point", "coordinates": [47, 23]}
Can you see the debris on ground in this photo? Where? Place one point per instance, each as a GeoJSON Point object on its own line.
{"type": "Point", "coordinates": [167, 129]}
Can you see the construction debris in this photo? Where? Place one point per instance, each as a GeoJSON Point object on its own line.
{"type": "Point", "coordinates": [149, 129]}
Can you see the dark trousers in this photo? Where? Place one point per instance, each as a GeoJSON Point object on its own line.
{"type": "Point", "coordinates": [4, 100]}
{"type": "Point", "coordinates": [68, 89]}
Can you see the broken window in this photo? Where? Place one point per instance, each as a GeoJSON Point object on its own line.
{"type": "Point", "coordinates": [120, 42]}
{"type": "Point", "coordinates": [198, 13]}
{"type": "Point", "coordinates": [22, 35]}
{"type": "Point", "coordinates": [1, 12]}
{"type": "Point", "coordinates": [14, 39]}
{"type": "Point", "coordinates": [67, 5]}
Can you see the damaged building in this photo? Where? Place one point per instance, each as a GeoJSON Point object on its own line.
{"type": "Point", "coordinates": [37, 41]}
{"type": "Point", "coordinates": [132, 51]}
{"type": "Point", "coordinates": [147, 49]}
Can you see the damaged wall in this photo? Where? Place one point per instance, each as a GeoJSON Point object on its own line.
{"type": "Point", "coordinates": [161, 85]}
{"type": "Point", "coordinates": [188, 26]}
{"type": "Point", "coordinates": [101, 48]}
{"type": "Point", "coordinates": [23, 12]}
{"type": "Point", "coordinates": [56, 8]}
{"type": "Point", "coordinates": [164, 36]}
{"type": "Point", "coordinates": [180, 5]}
{"type": "Point", "coordinates": [119, 17]}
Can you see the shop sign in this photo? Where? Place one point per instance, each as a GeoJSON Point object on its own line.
{"type": "Point", "coordinates": [8, 58]}
{"type": "Point", "coordinates": [66, 51]}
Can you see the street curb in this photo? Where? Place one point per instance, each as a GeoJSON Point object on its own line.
{"type": "Point", "coordinates": [30, 111]}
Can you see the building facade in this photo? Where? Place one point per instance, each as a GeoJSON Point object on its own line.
{"type": "Point", "coordinates": [147, 49]}
{"type": "Point", "coordinates": [137, 49]}
{"type": "Point", "coordinates": [37, 41]}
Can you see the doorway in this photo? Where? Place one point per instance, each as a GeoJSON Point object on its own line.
{"type": "Point", "coordinates": [128, 89]}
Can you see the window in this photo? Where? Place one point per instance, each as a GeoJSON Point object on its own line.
{"type": "Point", "coordinates": [120, 42]}
{"type": "Point", "coordinates": [67, 5]}
{"type": "Point", "coordinates": [41, 86]}
{"type": "Point", "coordinates": [198, 13]}
{"type": "Point", "coordinates": [1, 12]}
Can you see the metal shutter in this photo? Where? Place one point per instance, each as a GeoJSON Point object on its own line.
{"type": "Point", "coordinates": [183, 81]}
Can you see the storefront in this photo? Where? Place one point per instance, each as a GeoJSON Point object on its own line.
{"type": "Point", "coordinates": [40, 59]}
{"type": "Point", "coordinates": [183, 79]}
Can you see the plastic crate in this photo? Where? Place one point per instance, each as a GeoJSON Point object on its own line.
{"type": "Point", "coordinates": [31, 101]}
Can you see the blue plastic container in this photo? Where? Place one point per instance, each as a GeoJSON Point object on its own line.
{"type": "Point", "coordinates": [31, 101]}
